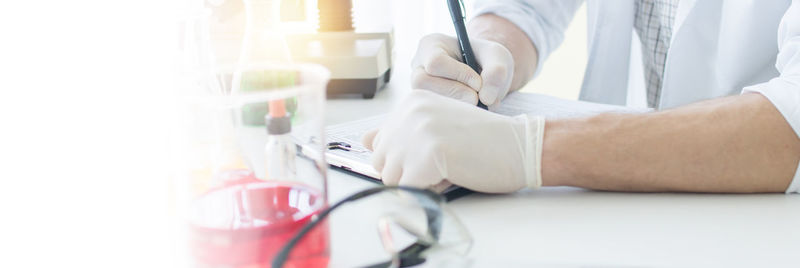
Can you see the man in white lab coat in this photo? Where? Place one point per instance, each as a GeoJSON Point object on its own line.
{"type": "Point", "coordinates": [724, 77]}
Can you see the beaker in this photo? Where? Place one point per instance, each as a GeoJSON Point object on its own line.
{"type": "Point", "coordinates": [238, 211]}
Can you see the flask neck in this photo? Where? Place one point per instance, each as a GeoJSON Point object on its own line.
{"type": "Point", "coordinates": [263, 15]}
{"type": "Point", "coordinates": [263, 41]}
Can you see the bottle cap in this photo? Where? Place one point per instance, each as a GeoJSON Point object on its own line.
{"type": "Point", "coordinates": [277, 108]}
{"type": "Point", "coordinates": [278, 125]}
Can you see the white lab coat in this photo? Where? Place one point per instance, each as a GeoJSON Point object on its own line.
{"type": "Point", "coordinates": [718, 48]}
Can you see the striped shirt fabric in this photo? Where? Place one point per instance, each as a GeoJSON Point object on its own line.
{"type": "Point", "coordinates": [653, 21]}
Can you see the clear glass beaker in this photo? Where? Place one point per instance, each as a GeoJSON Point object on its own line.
{"type": "Point", "coordinates": [237, 210]}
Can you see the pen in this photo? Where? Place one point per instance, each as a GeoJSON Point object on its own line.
{"type": "Point", "coordinates": [456, 13]}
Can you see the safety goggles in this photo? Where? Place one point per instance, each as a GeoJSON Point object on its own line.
{"type": "Point", "coordinates": [436, 232]}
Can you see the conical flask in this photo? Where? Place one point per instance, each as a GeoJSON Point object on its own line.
{"type": "Point", "coordinates": [263, 42]}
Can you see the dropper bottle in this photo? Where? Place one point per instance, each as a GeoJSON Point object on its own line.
{"type": "Point", "coordinates": [280, 150]}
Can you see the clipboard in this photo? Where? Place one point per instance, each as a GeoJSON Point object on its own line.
{"type": "Point", "coordinates": [345, 153]}
{"type": "Point", "coordinates": [451, 193]}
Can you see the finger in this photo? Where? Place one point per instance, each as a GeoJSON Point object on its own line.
{"type": "Point", "coordinates": [367, 139]}
{"type": "Point", "coordinates": [392, 171]}
{"type": "Point", "coordinates": [450, 88]}
{"type": "Point", "coordinates": [420, 173]}
{"type": "Point", "coordinates": [499, 101]}
{"type": "Point", "coordinates": [440, 56]}
{"type": "Point", "coordinates": [494, 107]}
{"type": "Point", "coordinates": [496, 83]}
{"type": "Point", "coordinates": [411, 177]}
{"type": "Point", "coordinates": [378, 152]}
{"type": "Point", "coordinates": [435, 43]}
{"type": "Point", "coordinates": [439, 64]}
{"type": "Point", "coordinates": [378, 162]}
{"type": "Point", "coordinates": [498, 70]}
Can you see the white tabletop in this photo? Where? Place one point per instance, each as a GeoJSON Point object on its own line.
{"type": "Point", "coordinates": [574, 226]}
{"type": "Point", "coordinates": [564, 225]}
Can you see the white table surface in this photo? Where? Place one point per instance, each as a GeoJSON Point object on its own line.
{"type": "Point", "coordinates": [576, 226]}
{"type": "Point", "coordinates": [564, 225]}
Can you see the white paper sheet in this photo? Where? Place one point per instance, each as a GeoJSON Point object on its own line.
{"type": "Point", "coordinates": [552, 107]}
{"type": "Point", "coordinates": [351, 133]}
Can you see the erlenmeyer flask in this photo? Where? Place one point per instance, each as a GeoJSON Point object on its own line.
{"type": "Point", "coordinates": [263, 42]}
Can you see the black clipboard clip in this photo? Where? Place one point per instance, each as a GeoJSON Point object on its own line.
{"type": "Point", "coordinates": [340, 145]}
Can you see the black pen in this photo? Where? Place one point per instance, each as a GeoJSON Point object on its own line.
{"type": "Point", "coordinates": [457, 14]}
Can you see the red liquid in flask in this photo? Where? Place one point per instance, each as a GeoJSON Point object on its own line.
{"type": "Point", "coordinates": [245, 225]}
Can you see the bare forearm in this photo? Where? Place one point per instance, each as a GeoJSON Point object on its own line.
{"type": "Point", "coordinates": [738, 144]}
{"type": "Point", "coordinates": [498, 29]}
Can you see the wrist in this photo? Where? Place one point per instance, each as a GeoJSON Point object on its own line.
{"type": "Point", "coordinates": [559, 167]}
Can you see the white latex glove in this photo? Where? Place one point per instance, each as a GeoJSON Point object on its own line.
{"type": "Point", "coordinates": [431, 138]}
{"type": "Point", "coordinates": [438, 67]}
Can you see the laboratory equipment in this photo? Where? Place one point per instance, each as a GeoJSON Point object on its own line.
{"type": "Point", "coordinates": [280, 150]}
{"type": "Point", "coordinates": [239, 213]}
{"type": "Point", "coordinates": [360, 61]}
{"type": "Point", "coordinates": [359, 58]}
{"type": "Point", "coordinates": [245, 224]}
{"type": "Point", "coordinates": [262, 43]}
{"type": "Point", "coordinates": [415, 226]}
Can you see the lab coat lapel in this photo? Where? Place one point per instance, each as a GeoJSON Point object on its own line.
{"type": "Point", "coordinates": [684, 8]}
{"type": "Point", "coordinates": [690, 65]}
{"type": "Point", "coordinates": [610, 31]}
{"type": "Point", "coordinates": [720, 47]}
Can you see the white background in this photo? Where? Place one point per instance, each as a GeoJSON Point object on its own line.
{"type": "Point", "coordinates": [85, 90]}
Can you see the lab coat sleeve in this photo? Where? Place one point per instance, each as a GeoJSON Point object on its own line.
{"type": "Point", "coordinates": [544, 21]}
{"type": "Point", "coordinates": [784, 90]}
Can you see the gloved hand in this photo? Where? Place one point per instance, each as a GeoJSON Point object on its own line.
{"type": "Point", "coordinates": [438, 67]}
{"type": "Point", "coordinates": [432, 138]}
